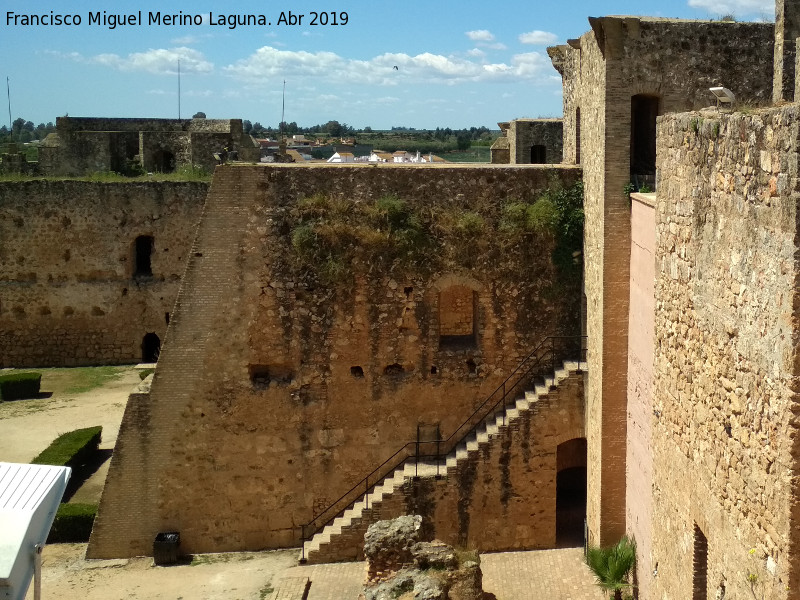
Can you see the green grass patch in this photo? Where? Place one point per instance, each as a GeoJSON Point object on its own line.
{"type": "Point", "coordinates": [16, 386]}
{"type": "Point", "coordinates": [265, 591]}
{"type": "Point", "coordinates": [71, 449]}
{"type": "Point", "coordinates": [73, 523]}
{"type": "Point", "coordinates": [145, 373]}
{"type": "Point", "coordinates": [84, 379]}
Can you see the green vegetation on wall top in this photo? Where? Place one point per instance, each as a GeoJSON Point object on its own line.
{"type": "Point", "coordinates": [329, 235]}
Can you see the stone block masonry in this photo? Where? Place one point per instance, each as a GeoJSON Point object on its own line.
{"type": "Point", "coordinates": [70, 293]}
{"type": "Point", "coordinates": [724, 432]}
{"type": "Point", "coordinates": [278, 391]}
{"type": "Point", "coordinates": [666, 65]}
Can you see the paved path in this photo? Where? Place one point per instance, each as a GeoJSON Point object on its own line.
{"type": "Point", "coordinates": [553, 574]}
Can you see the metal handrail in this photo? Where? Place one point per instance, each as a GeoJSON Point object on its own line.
{"type": "Point", "coordinates": [524, 372]}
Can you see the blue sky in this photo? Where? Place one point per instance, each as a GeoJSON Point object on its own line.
{"type": "Point", "coordinates": [459, 63]}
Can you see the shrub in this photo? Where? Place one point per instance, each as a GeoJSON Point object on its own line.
{"type": "Point", "coordinates": [19, 385]}
{"type": "Point", "coordinates": [612, 566]}
{"type": "Point", "coordinates": [73, 523]}
{"type": "Point", "coordinates": [145, 373]}
{"type": "Point", "coordinates": [71, 449]}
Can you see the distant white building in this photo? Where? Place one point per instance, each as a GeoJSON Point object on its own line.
{"type": "Point", "coordinates": [378, 156]}
{"type": "Point", "coordinates": [342, 157]}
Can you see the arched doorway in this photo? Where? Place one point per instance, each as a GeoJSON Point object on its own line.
{"type": "Point", "coordinates": [163, 161]}
{"type": "Point", "coordinates": [570, 492]}
{"type": "Point", "coordinates": [644, 110]}
{"type": "Point", "coordinates": [151, 347]}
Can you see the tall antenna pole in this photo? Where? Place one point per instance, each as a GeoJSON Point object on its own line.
{"type": "Point", "coordinates": [179, 89]}
{"type": "Point", "coordinates": [283, 106]}
{"type": "Point", "coordinates": [10, 126]}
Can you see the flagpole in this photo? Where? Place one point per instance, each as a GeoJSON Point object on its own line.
{"type": "Point", "coordinates": [179, 89]}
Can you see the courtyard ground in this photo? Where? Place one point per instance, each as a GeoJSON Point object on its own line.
{"type": "Point", "coordinates": [76, 398]}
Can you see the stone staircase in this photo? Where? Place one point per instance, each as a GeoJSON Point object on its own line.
{"type": "Point", "coordinates": [342, 539]}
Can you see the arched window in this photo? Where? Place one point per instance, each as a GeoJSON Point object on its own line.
{"type": "Point", "coordinates": [142, 253]}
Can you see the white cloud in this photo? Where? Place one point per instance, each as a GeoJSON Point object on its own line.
{"type": "Point", "coordinates": [485, 39]}
{"type": "Point", "coordinates": [476, 52]}
{"type": "Point", "coordinates": [480, 35]}
{"type": "Point", "coordinates": [267, 63]}
{"type": "Point", "coordinates": [538, 38]}
{"type": "Point", "coordinates": [736, 7]}
{"type": "Point", "coordinates": [162, 61]}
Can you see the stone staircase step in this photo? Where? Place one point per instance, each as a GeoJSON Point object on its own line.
{"type": "Point", "coordinates": [493, 425]}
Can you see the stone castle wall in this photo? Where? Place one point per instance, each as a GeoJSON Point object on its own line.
{"type": "Point", "coordinates": [524, 133]}
{"type": "Point", "coordinates": [620, 58]}
{"type": "Point", "coordinates": [86, 145]}
{"type": "Point", "coordinates": [725, 452]}
{"type": "Point", "coordinates": [277, 392]}
{"type": "Point", "coordinates": [68, 290]}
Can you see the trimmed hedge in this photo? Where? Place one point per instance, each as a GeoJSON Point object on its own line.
{"type": "Point", "coordinates": [73, 523]}
{"type": "Point", "coordinates": [17, 386]}
{"type": "Point", "coordinates": [71, 449]}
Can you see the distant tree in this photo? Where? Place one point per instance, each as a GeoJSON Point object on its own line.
{"type": "Point", "coordinates": [367, 129]}
{"type": "Point", "coordinates": [199, 115]}
{"type": "Point", "coordinates": [333, 128]}
{"type": "Point", "coordinates": [463, 141]}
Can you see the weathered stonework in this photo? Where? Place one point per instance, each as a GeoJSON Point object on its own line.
{"type": "Point", "coordinates": [69, 293]}
{"type": "Point", "coordinates": [529, 141]}
{"type": "Point", "coordinates": [87, 145]}
{"type": "Point", "coordinates": [277, 392]}
{"type": "Point", "coordinates": [724, 432]}
{"type": "Point", "coordinates": [674, 62]}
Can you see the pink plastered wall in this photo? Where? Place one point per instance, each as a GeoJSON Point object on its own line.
{"type": "Point", "coordinates": [639, 472]}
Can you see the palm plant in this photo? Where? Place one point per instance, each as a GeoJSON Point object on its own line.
{"type": "Point", "coordinates": [612, 566]}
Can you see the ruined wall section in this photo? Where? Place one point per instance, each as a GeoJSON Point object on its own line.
{"type": "Point", "coordinates": [567, 61]}
{"type": "Point", "coordinates": [725, 433]}
{"type": "Point", "coordinates": [524, 133]}
{"type": "Point", "coordinates": [68, 292]}
{"type": "Point", "coordinates": [277, 392]}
